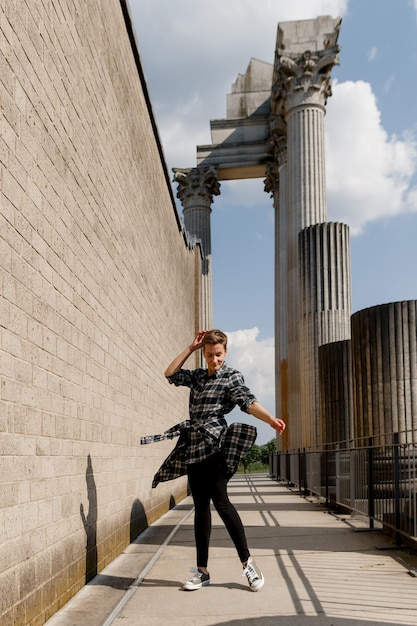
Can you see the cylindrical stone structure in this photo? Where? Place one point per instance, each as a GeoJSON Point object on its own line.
{"type": "Point", "coordinates": [336, 393]}
{"type": "Point", "coordinates": [285, 391]}
{"type": "Point", "coordinates": [325, 308]}
{"type": "Point", "coordinates": [306, 163]}
{"type": "Point", "coordinates": [384, 360]}
{"type": "Point", "coordinates": [305, 55]}
{"type": "Point", "coordinates": [196, 188]}
{"type": "Point", "coordinates": [306, 205]}
{"type": "Point", "coordinates": [276, 184]}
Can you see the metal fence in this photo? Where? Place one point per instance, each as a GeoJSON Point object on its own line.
{"type": "Point", "coordinates": [376, 478]}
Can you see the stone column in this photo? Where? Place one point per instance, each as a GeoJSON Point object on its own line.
{"type": "Point", "coordinates": [276, 184]}
{"type": "Point", "coordinates": [306, 53]}
{"type": "Point", "coordinates": [299, 94]}
{"type": "Point", "coordinates": [384, 358]}
{"type": "Point", "coordinates": [325, 306]}
{"type": "Point", "coordinates": [196, 188]}
{"type": "Point", "coordinates": [335, 374]}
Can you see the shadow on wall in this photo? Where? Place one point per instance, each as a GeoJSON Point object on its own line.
{"type": "Point", "coordinates": [138, 520]}
{"type": "Point", "coordinates": [90, 523]}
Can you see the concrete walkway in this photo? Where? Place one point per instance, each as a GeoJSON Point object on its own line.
{"type": "Point", "coordinates": [320, 569]}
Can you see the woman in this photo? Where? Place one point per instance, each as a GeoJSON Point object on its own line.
{"type": "Point", "coordinates": [214, 392]}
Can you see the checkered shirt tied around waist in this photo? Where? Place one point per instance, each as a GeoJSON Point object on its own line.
{"type": "Point", "coordinates": [207, 432]}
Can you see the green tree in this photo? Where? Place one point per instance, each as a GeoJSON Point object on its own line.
{"type": "Point", "coordinates": [251, 457]}
{"type": "Point", "coordinates": [266, 449]}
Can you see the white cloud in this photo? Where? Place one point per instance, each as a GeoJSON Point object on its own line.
{"type": "Point", "coordinates": [388, 83]}
{"type": "Point", "coordinates": [255, 358]}
{"type": "Point", "coordinates": [369, 173]}
{"type": "Point", "coordinates": [372, 54]}
{"type": "Point", "coordinates": [193, 51]}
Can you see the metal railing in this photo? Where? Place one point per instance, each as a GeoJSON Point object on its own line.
{"type": "Point", "coordinates": [376, 478]}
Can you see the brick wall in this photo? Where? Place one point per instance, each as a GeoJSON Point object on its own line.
{"type": "Point", "coordinates": [97, 294]}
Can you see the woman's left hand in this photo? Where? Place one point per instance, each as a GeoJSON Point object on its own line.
{"type": "Point", "coordinates": [279, 425]}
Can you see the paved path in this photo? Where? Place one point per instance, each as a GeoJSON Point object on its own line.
{"type": "Point", "coordinates": [320, 569]}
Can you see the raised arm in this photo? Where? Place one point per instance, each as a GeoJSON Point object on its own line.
{"type": "Point", "coordinates": [257, 410]}
{"type": "Point", "coordinates": [179, 360]}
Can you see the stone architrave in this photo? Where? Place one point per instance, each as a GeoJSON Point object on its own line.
{"type": "Point", "coordinates": [196, 188]}
{"type": "Point", "coordinates": [239, 142]}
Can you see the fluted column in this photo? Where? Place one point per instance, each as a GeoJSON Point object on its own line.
{"type": "Point", "coordinates": [384, 357]}
{"type": "Point", "coordinates": [276, 184]}
{"type": "Point", "coordinates": [301, 86]}
{"type": "Point", "coordinates": [325, 306]}
{"type": "Point", "coordinates": [196, 188]}
{"type": "Point", "coordinates": [335, 377]}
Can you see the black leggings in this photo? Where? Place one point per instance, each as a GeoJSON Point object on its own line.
{"type": "Point", "coordinates": [208, 481]}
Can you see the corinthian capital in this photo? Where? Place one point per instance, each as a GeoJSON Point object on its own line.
{"type": "Point", "coordinates": [302, 78]}
{"type": "Point", "coordinates": [277, 143]}
{"type": "Point", "coordinates": [196, 184]}
{"type": "Point", "coordinates": [271, 182]}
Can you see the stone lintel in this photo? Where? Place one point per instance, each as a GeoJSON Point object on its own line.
{"type": "Point", "coordinates": [242, 172]}
{"type": "Point", "coordinates": [239, 148]}
{"type": "Point", "coordinates": [240, 130]}
{"type": "Point", "coordinates": [234, 162]}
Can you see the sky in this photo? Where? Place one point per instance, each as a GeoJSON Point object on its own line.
{"type": "Point", "coordinates": [192, 52]}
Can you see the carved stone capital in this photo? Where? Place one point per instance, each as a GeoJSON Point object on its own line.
{"type": "Point", "coordinates": [271, 182]}
{"type": "Point", "coordinates": [302, 79]}
{"type": "Point", "coordinates": [277, 143]}
{"type": "Point", "coordinates": [196, 185]}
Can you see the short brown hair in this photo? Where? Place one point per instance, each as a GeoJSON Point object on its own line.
{"type": "Point", "coordinates": [215, 336]}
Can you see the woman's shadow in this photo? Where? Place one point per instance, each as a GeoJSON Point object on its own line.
{"type": "Point", "coordinates": [90, 523]}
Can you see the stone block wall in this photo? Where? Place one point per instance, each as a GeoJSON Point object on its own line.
{"type": "Point", "coordinates": [97, 294]}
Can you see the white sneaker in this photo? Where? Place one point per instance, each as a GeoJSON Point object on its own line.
{"type": "Point", "coordinates": [254, 575]}
{"type": "Point", "coordinates": [198, 580]}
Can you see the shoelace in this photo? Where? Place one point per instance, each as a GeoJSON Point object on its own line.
{"type": "Point", "coordinates": [196, 572]}
{"type": "Point", "coordinates": [250, 572]}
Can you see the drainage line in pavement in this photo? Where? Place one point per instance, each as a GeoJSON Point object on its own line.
{"type": "Point", "coordinates": [139, 580]}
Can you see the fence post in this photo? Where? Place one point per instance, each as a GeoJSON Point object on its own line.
{"type": "Point", "coordinates": [288, 468]}
{"type": "Point", "coordinates": [337, 473]}
{"type": "Point", "coordinates": [371, 495]}
{"type": "Point", "coordinates": [352, 470]}
{"type": "Point", "coordinates": [326, 475]}
{"type": "Point", "coordinates": [397, 488]}
{"type": "Point", "coordinates": [302, 472]}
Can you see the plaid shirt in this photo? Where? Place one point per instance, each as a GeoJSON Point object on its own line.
{"type": "Point", "coordinates": [207, 432]}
